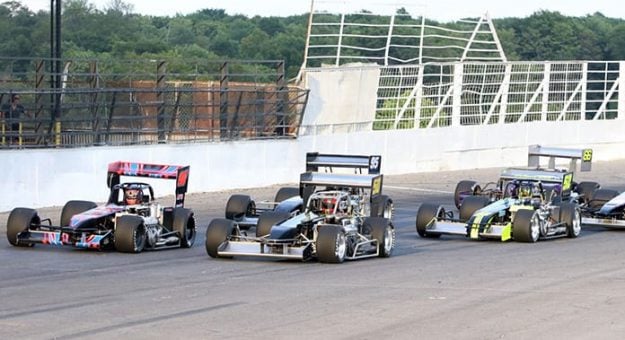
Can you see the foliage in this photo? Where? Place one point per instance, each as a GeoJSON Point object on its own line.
{"type": "Point", "coordinates": [119, 33]}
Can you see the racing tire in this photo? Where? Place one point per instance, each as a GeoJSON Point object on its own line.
{"type": "Point", "coordinates": [72, 208]}
{"type": "Point", "coordinates": [217, 233]}
{"type": "Point", "coordinates": [425, 214]}
{"type": "Point", "coordinates": [585, 190]}
{"type": "Point", "coordinates": [286, 193]}
{"type": "Point", "coordinates": [382, 229]}
{"type": "Point", "coordinates": [470, 205]}
{"type": "Point", "coordinates": [600, 197]}
{"type": "Point", "coordinates": [331, 244]}
{"type": "Point", "coordinates": [463, 187]}
{"type": "Point", "coordinates": [267, 220]}
{"type": "Point", "coordinates": [239, 206]}
{"type": "Point", "coordinates": [19, 221]}
{"type": "Point", "coordinates": [571, 216]}
{"type": "Point", "coordinates": [526, 226]}
{"type": "Point", "coordinates": [130, 234]}
{"type": "Point", "coordinates": [382, 206]}
{"type": "Point", "coordinates": [184, 224]}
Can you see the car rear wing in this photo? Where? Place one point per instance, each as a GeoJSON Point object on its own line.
{"type": "Point", "coordinates": [536, 151]}
{"type": "Point", "coordinates": [315, 160]}
{"type": "Point", "coordinates": [176, 172]}
{"type": "Point", "coordinates": [546, 176]}
{"type": "Point", "coordinates": [309, 180]}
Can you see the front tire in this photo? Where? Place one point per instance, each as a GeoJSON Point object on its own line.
{"type": "Point", "coordinates": [464, 188]}
{"type": "Point", "coordinates": [72, 208]}
{"type": "Point", "coordinates": [130, 234]}
{"type": "Point", "coordinates": [600, 197]}
{"type": "Point", "coordinates": [382, 230]}
{"type": "Point", "coordinates": [585, 190]}
{"type": "Point", "coordinates": [239, 206]}
{"type": "Point", "coordinates": [267, 220]}
{"type": "Point", "coordinates": [331, 244]}
{"type": "Point", "coordinates": [20, 220]}
{"type": "Point", "coordinates": [526, 226]}
{"type": "Point", "coordinates": [184, 224]}
{"type": "Point", "coordinates": [286, 193]}
{"type": "Point", "coordinates": [426, 213]}
{"type": "Point", "coordinates": [470, 205]}
{"type": "Point", "coordinates": [218, 232]}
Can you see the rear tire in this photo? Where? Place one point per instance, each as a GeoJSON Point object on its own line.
{"type": "Point", "coordinates": [218, 232]}
{"type": "Point", "coordinates": [571, 216]}
{"type": "Point", "coordinates": [382, 230]}
{"type": "Point", "coordinates": [239, 206]}
{"type": "Point", "coordinates": [184, 224]}
{"type": "Point", "coordinates": [286, 193]}
{"type": "Point", "coordinates": [472, 204]}
{"type": "Point", "coordinates": [19, 221]}
{"type": "Point", "coordinates": [526, 226]}
{"type": "Point", "coordinates": [382, 206]}
{"type": "Point", "coordinates": [464, 188]}
{"type": "Point", "coordinates": [425, 214]}
{"type": "Point", "coordinates": [331, 244]}
{"type": "Point", "coordinates": [267, 220]}
{"type": "Point", "coordinates": [130, 234]}
{"type": "Point", "coordinates": [72, 208]}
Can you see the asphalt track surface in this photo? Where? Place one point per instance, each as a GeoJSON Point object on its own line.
{"type": "Point", "coordinates": [450, 288]}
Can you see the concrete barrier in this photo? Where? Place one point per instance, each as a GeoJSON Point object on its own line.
{"type": "Point", "coordinates": [37, 178]}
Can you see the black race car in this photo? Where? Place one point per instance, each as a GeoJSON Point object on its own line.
{"type": "Point", "coordinates": [345, 217]}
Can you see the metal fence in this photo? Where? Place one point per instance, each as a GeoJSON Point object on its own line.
{"type": "Point", "coordinates": [174, 102]}
{"type": "Point", "coordinates": [477, 93]}
{"type": "Point", "coordinates": [336, 37]}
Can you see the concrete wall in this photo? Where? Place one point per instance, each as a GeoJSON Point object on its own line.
{"type": "Point", "coordinates": [37, 178]}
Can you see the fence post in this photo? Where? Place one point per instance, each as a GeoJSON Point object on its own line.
{"type": "Point", "coordinates": [40, 72]}
{"type": "Point", "coordinates": [93, 105]}
{"type": "Point", "coordinates": [161, 69]}
{"type": "Point", "coordinates": [620, 113]}
{"type": "Point", "coordinates": [282, 97]}
{"type": "Point", "coordinates": [457, 94]}
{"type": "Point", "coordinates": [223, 100]}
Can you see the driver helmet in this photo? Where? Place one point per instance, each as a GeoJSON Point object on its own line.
{"type": "Point", "coordinates": [525, 190]}
{"type": "Point", "coordinates": [328, 204]}
{"type": "Point", "coordinates": [133, 195]}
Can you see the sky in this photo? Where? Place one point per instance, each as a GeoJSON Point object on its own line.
{"type": "Point", "coordinates": [441, 10]}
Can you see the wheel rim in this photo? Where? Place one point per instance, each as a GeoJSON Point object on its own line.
{"type": "Point", "coordinates": [341, 247]}
{"type": "Point", "coordinates": [139, 238]}
{"type": "Point", "coordinates": [577, 224]}
{"type": "Point", "coordinates": [190, 234]}
{"type": "Point", "coordinates": [388, 239]}
{"type": "Point", "coordinates": [388, 211]}
{"type": "Point", "coordinates": [535, 227]}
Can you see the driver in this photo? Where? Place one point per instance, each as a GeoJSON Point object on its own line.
{"type": "Point", "coordinates": [133, 196]}
{"type": "Point", "coordinates": [525, 190]}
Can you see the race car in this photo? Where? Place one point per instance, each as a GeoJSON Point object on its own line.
{"type": "Point", "coordinates": [245, 210]}
{"type": "Point", "coordinates": [336, 224]}
{"type": "Point", "coordinates": [603, 207]}
{"type": "Point", "coordinates": [525, 204]}
{"type": "Point", "coordinates": [131, 221]}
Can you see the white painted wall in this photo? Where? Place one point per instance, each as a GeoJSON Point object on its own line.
{"type": "Point", "coordinates": [37, 178]}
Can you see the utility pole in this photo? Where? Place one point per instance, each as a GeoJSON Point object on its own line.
{"type": "Point", "coordinates": [56, 68]}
